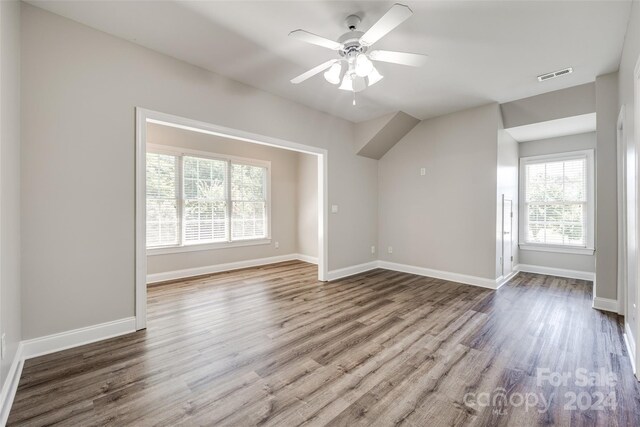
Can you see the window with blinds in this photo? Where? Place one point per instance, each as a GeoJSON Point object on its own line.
{"type": "Point", "coordinates": [248, 201]}
{"type": "Point", "coordinates": [162, 200]}
{"type": "Point", "coordinates": [557, 200]}
{"type": "Point", "coordinates": [194, 199]}
{"type": "Point", "coordinates": [205, 200]}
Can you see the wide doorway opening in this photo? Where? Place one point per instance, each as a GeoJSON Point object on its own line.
{"type": "Point", "coordinates": [211, 199]}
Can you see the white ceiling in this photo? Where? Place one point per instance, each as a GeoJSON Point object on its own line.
{"type": "Point", "coordinates": [480, 51]}
{"type": "Point", "coordinates": [554, 128]}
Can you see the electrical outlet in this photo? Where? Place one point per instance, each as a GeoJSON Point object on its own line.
{"type": "Point", "coordinates": [373, 249]}
{"type": "Point", "coordinates": [277, 245]}
{"type": "Point", "coordinates": [3, 346]}
{"type": "Point", "coordinates": [390, 249]}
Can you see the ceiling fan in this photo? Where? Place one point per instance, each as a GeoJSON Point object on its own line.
{"type": "Point", "coordinates": [354, 70]}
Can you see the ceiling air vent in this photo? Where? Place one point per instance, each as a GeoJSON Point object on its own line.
{"type": "Point", "coordinates": [555, 74]}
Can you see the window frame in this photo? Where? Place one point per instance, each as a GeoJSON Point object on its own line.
{"type": "Point", "coordinates": [178, 172]}
{"type": "Point", "coordinates": [589, 247]}
{"type": "Point", "coordinates": [180, 153]}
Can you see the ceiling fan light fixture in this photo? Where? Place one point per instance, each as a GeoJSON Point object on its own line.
{"type": "Point", "coordinates": [354, 71]}
{"type": "Point", "coordinates": [347, 83]}
{"type": "Point", "coordinates": [359, 83]}
{"type": "Point", "coordinates": [374, 77]}
{"type": "Point", "coordinates": [363, 65]}
{"type": "Point", "coordinates": [332, 75]}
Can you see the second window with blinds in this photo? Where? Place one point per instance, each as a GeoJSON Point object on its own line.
{"type": "Point", "coordinates": [557, 206]}
{"type": "Point", "coordinates": [200, 200]}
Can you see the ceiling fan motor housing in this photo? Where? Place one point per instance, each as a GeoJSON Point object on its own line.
{"type": "Point", "coordinates": [351, 40]}
{"type": "Point", "coordinates": [351, 44]}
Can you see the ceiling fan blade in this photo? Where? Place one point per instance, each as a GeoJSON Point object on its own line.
{"type": "Point", "coordinates": [403, 58]}
{"type": "Point", "coordinates": [312, 72]}
{"type": "Point", "coordinates": [394, 17]}
{"type": "Point", "coordinates": [308, 37]}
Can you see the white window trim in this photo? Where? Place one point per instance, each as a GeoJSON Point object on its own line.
{"type": "Point", "coordinates": [557, 249]}
{"type": "Point", "coordinates": [191, 247]}
{"type": "Point", "coordinates": [164, 250]}
{"type": "Point", "coordinates": [589, 248]}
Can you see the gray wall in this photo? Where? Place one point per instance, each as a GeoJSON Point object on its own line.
{"type": "Point", "coordinates": [364, 131]}
{"type": "Point", "coordinates": [79, 90]}
{"type": "Point", "coordinates": [284, 203]}
{"type": "Point", "coordinates": [445, 220]}
{"type": "Point", "coordinates": [307, 209]}
{"type": "Point", "coordinates": [561, 144]}
{"type": "Point", "coordinates": [606, 285]}
{"type": "Point", "coordinates": [630, 55]}
{"type": "Point", "coordinates": [575, 262]}
{"type": "Point", "coordinates": [10, 318]}
{"type": "Point", "coordinates": [507, 186]}
{"type": "Point", "coordinates": [569, 102]}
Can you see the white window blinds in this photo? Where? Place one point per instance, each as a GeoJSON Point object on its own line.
{"type": "Point", "coordinates": [557, 201]}
{"type": "Point", "coordinates": [194, 199]}
{"type": "Point", "coordinates": [162, 200]}
{"type": "Point", "coordinates": [205, 200]}
{"type": "Point", "coordinates": [248, 201]}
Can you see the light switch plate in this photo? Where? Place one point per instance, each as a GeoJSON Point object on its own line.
{"type": "Point", "coordinates": [423, 171]}
{"type": "Point", "coordinates": [334, 208]}
{"type": "Point", "coordinates": [390, 249]}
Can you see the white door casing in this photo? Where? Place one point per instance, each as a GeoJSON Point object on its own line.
{"type": "Point", "coordinates": [507, 236]}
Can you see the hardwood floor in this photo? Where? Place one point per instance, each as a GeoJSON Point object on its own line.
{"type": "Point", "coordinates": [272, 346]}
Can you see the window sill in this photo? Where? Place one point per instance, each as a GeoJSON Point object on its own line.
{"type": "Point", "coordinates": [558, 249]}
{"type": "Point", "coordinates": [206, 246]}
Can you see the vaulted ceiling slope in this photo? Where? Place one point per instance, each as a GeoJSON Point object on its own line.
{"type": "Point", "coordinates": [373, 138]}
{"type": "Point", "coordinates": [479, 52]}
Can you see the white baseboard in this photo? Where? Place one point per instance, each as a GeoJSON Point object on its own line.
{"type": "Point", "coordinates": [621, 308]}
{"type": "Point", "coordinates": [560, 272]}
{"type": "Point", "coordinates": [218, 268]}
{"type": "Point", "coordinates": [444, 275]}
{"type": "Point", "coordinates": [351, 270]}
{"type": "Point", "coordinates": [421, 271]}
{"type": "Point", "coordinates": [605, 304]}
{"type": "Point", "coordinates": [10, 385]}
{"type": "Point", "coordinates": [52, 343]}
{"type": "Point", "coordinates": [77, 337]}
{"type": "Point", "coordinates": [505, 279]}
{"type": "Point", "coordinates": [307, 258]}
{"type": "Point", "coordinates": [631, 345]}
